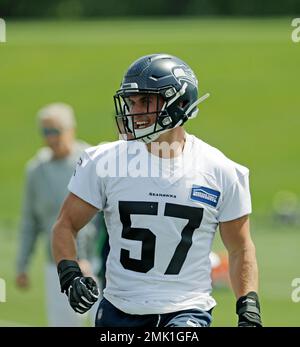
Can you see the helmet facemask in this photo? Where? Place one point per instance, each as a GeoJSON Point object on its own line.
{"type": "Point", "coordinates": [145, 125]}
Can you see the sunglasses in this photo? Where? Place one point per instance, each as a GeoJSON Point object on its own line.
{"type": "Point", "coordinates": [51, 131]}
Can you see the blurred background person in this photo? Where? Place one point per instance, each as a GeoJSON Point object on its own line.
{"type": "Point", "coordinates": [47, 177]}
{"type": "Point", "coordinates": [219, 270]}
{"type": "Point", "coordinates": [286, 209]}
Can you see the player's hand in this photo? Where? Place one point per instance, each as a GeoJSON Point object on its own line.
{"type": "Point", "coordinates": [248, 310]}
{"type": "Point", "coordinates": [82, 291]}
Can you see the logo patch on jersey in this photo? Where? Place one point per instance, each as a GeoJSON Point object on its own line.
{"type": "Point", "coordinates": [206, 195]}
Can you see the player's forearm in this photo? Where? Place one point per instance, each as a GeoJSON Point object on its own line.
{"type": "Point", "coordinates": [243, 270]}
{"type": "Point", "coordinates": [63, 242]}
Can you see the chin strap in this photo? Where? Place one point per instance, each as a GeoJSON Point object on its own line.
{"type": "Point", "coordinates": [150, 138]}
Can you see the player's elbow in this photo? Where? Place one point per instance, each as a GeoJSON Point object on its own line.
{"type": "Point", "coordinates": [64, 224]}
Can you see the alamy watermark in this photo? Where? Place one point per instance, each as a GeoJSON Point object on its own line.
{"type": "Point", "coordinates": [2, 290]}
{"type": "Point", "coordinates": [296, 32]}
{"type": "Point", "coordinates": [2, 30]}
{"type": "Point", "coordinates": [131, 159]}
{"type": "Point", "coordinates": [296, 292]}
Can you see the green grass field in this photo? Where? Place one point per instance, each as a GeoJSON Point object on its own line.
{"type": "Point", "coordinates": [251, 69]}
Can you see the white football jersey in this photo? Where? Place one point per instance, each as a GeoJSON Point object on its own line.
{"type": "Point", "coordinates": [161, 226]}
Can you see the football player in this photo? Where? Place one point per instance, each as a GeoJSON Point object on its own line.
{"type": "Point", "coordinates": [164, 194]}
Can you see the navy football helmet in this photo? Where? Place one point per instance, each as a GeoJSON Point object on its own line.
{"type": "Point", "coordinates": [175, 87]}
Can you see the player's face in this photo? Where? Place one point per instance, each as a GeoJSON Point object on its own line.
{"type": "Point", "coordinates": [144, 107]}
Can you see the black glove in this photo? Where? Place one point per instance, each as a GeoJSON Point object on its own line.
{"type": "Point", "coordinates": [82, 291]}
{"type": "Point", "coordinates": [248, 310]}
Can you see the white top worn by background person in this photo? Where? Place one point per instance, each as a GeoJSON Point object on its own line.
{"type": "Point", "coordinates": [47, 176]}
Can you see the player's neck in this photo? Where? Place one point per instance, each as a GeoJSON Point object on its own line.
{"type": "Point", "coordinates": [169, 145]}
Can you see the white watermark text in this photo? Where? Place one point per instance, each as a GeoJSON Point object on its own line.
{"type": "Point", "coordinates": [2, 290]}
{"type": "Point", "coordinates": [296, 32]}
{"type": "Point", "coordinates": [296, 291]}
{"type": "Point", "coordinates": [2, 30]}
